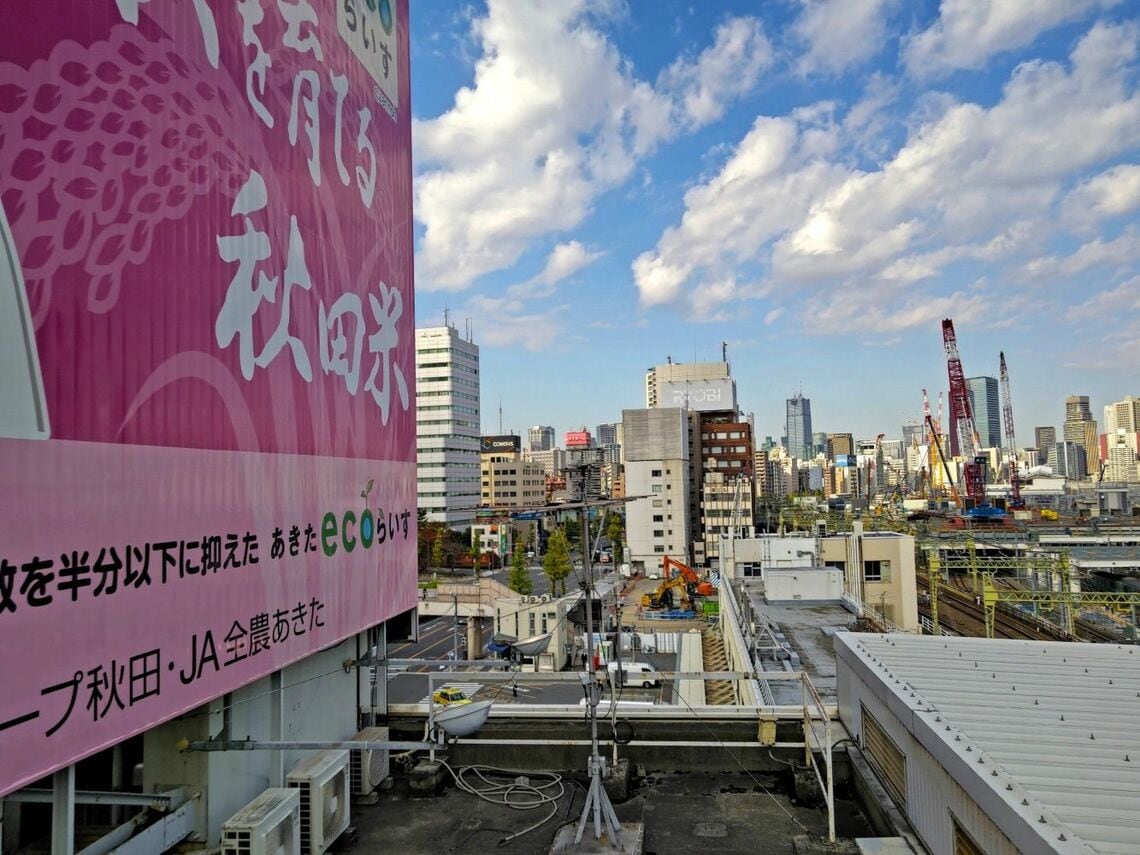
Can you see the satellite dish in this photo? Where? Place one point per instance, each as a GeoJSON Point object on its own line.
{"type": "Point", "coordinates": [463, 719]}
{"type": "Point", "coordinates": [532, 646]}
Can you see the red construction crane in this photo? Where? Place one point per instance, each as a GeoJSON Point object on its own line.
{"type": "Point", "coordinates": [1010, 441]}
{"type": "Point", "coordinates": [963, 414]}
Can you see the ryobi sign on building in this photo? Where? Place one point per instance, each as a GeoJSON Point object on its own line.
{"type": "Point", "coordinates": [208, 471]}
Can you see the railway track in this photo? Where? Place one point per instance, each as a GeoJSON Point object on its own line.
{"type": "Point", "coordinates": [960, 610]}
{"type": "Point", "coordinates": [1084, 629]}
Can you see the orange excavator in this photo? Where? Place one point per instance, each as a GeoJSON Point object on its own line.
{"type": "Point", "coordinates": [685, 582]}
{"type": "Point", "coordinates": [692, 580]}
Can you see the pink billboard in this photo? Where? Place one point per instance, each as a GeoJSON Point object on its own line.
{"type": "Point", "coordinates": [207, 424]}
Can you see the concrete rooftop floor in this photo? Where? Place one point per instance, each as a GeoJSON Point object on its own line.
{"type": "Point", "coordinates": [682, 813]}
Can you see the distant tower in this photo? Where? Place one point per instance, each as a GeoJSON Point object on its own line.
{"type": "Point", "coordinates": [1080, 428]}
{"type": "Point", "coordinates": [984, 401]}
{"type": "Point", "coordinates": [540, 438]}
{"type": "Point", "coordinates": [799, 426]}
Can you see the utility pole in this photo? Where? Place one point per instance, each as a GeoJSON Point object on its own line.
{"type": "Point", "coordinates": [597, 801]}
{"type": "Point", "coordinates": [455, 629]}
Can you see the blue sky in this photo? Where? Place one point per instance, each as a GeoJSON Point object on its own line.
{"type": "Point", "coordinates": [602, 185]}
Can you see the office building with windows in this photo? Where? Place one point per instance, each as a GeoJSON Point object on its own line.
{"type": "Point", "coordinates": [798, 427]}
{"type": "Point", "coordinates": [657, 465]}
{"type": "Point", "coordinates": [986, 407]}
{"type": "Point", "coordinates": [447, 426]}
{"type": "Point", "coordinates": [540, 438]}
{"type": "Point", "coordinates": [1044, 438]}
{"type": "Point", "coordinates": [1080, 428]}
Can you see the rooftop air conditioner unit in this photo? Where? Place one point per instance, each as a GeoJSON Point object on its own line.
{"type": "Point", "coordinates": [546, 598]}
{"type": "Point", "coordinates": [324, 785]}
{"type": "Point", "coordinates": [369, 766]}
{"type": "Point", "coordinates": [268, 825]}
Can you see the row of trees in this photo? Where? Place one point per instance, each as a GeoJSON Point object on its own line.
{"type": "Point", "coordinates": [440, 546]}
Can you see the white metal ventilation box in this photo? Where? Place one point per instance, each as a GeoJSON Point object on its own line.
{"type": "Point", "coordinates": [323, 785]}
{"type": "Point", "coordinates": [268, 825]}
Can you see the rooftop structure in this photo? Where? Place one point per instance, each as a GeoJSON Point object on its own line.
{"type": "Point", "coordinates": [1007, 746]}
{"type": "Point", "coordinates": [692, 385]}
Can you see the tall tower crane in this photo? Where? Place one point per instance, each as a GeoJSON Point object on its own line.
{"type": "Point", "coordinates": [1010, 441]}
{"type": "Point", "coordinates": [962, 413]}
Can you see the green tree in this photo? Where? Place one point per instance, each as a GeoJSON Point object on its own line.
{"type": "Point", "coordinates": [518, 580]}
{"type": "Point", "coordinates": [437, 548]}
{"type": "Point", "coordinates": [572, 530]}
{"type": "Point", "coordinates": [615, 531]}
{"type": "Point", "coordinates": [556, 563]}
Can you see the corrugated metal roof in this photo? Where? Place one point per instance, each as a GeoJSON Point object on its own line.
{"type": "Point", "coordinates": [1049, 727]}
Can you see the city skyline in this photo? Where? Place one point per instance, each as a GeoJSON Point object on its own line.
{"type": "Point", "coordinates": [720, 174]}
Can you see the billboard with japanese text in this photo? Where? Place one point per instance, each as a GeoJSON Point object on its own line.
{"type": "Point", "coordinates": [207, 425]}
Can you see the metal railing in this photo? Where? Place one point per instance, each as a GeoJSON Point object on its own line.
{"type": "Point", "coordinates": [816, 711]}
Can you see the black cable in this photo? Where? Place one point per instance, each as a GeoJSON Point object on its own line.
{"type": "Point", "coordinates": [628, 738]}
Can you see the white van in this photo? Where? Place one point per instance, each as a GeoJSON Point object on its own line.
{"type": "Point", "coordinates": [633, 674]}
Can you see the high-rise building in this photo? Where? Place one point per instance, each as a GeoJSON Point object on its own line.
{"type": "Point", "coordinates": [1080, 427]}
{"type": "Point", "coordinates": [798, 426]}
{"type": "Point", "coordinates": [540, 438]}
{"type": "Point", "coordinates": [1120, 453]}
{"type": "Point", "coordinates": [551, 460]}
{"type": "Point", "coordinates": [913, 433]}
{"type": "Point", "coordinates": [818, 443]}
{"type": "Point", "coordinates": [986, 407]}
{"type": "Point", "coordinates": [1067, 459]}
{"type": "Point", "coordinates": [727, 458]}
{"type": "Point", "coordinates": [1122, 415]}
{"type": "Point", "coordinates": [1044, 438]}
{"type": "Point", "coordinates": [657, 464]}
{"type": "Point", "coordinates": [839, 445]}
{"type": "Point", "coordinates": [582, 467]}
{"type": "Point", "coordinates": [606, 434]}
{"type": "Point", "coordinates": [447, 426]}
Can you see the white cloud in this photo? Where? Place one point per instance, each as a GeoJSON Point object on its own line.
{"type": "Point", "coordinates": [554, 117]}
{"type": "Point", "coordinates": [842, 314]}
{"type": "Point", "coordinates": [1112, 352]}
{"type": "Point", "coordinates": [840, 33]}
{"type": "Point", "coordinates": [504, 322]}
{"type": "Point", "coordinates": [1097, 252]}
{"type": "Point", "coordinates": [728, 68]}
{"type": "Point", "coordinates": [1109, 194]}
{"type": "Point", "coordinates": [968, 32]}
{"type": "Point", "coordinates": [773, 315]}
{"type": "Point", "coordinates": [1124, 299]}
{"type": "Point", "coordinates": [566, 259]}
{"type": "Point", "coordinates": [711, 296]}
{"type": "Point", "coordinates": [784, 202]}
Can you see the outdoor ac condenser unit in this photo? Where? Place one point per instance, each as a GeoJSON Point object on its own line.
{"type": "Point", "coordinates": [323, 782]}
{"type": "Point", "coordinates": [268, 825]}
{"type": "Point", "coordinates": [369, 766]}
